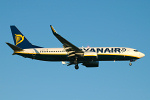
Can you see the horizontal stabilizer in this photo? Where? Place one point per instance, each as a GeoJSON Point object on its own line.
{"type": "Point", "coordinates": [15, 48]}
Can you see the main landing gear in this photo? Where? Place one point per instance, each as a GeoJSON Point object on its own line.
{"type": "Point", "coordinates": [76, 63]}
{"type": "Point", "coordinates": [76, 66]}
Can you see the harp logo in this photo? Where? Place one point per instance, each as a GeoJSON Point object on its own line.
{"type": "Point", "coordinates": [19, 38]}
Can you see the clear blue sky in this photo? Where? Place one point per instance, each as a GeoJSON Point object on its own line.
{"type": "Point", "coordinates": [99, 23]}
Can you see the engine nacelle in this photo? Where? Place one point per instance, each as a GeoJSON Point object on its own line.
{"type": "Point", "coordinates": [91, 64]}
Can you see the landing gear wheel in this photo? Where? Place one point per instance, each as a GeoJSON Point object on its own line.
{"type": "Point", "coordinates": [76, 67]}
{"type": "Point", "coordinates": [130, 64]}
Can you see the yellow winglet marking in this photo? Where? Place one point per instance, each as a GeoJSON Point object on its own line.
{"type": "Point", "coordinates": [19, 38]}
{"type": "Point", "coordinates": [53, 29]}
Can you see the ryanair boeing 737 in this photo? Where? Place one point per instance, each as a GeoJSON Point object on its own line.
{"type": "Point", "coordinates": [70, 54]}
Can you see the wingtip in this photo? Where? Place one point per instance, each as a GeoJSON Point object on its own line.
{"type": "Point", "coordinates": [51, 27]}
{"type": "Point", "coordinates": [12, 26]}
{"type": "Point", "coordinates": [53, 30]}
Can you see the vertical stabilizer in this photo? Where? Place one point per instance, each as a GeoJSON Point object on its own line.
{"type": "Point", "coordinates": [20, 40]}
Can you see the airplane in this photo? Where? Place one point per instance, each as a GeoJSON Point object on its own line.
{"type": "Point", "coordinates": [71, 54]}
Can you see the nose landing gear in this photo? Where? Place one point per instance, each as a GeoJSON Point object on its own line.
{"type": "Point", "coordinates": [132, 60]}
{"type": "Point", "coordinates": [76, 66]}
{"type": "Point", "coordinates": [130, 64]}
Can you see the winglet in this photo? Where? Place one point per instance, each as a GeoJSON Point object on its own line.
{"type": "Point", "coordinates": [65, 42]}
{"type": "Point", "coordinates": [53, 30]}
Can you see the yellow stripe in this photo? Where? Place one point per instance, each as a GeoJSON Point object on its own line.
{"type": "Point", "coordinates": [89, 55]}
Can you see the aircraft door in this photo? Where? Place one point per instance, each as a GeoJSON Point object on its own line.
{"type": "Point", "coordinates": [33, 53]}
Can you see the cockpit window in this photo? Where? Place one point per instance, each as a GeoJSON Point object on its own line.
{"type": "Point", "coordinates": [136, 50]}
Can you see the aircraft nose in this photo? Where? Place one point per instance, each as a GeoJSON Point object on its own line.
{"type": "Point", "coordinates": [142, 55]}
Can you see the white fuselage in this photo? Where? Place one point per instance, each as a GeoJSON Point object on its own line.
{"type": "Point", "coordinates": [108, 53]}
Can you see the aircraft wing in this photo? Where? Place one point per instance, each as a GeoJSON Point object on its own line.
{"type": "Point", "coordinates": [69, 47]}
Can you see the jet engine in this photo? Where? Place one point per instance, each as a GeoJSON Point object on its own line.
{"type": "Point", "coordinates": [91, 64]}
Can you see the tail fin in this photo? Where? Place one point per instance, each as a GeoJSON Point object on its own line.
{"type": "Point", "coordinates": [20, 40]}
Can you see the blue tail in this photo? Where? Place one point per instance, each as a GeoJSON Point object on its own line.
{"type": "Point", "coordinates": [20, 40]}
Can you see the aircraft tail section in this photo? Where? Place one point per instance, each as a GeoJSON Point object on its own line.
{"type": "Point", "coordinates": [20, 40]}
{"type": "Point", "coordinates": [15, 48]}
